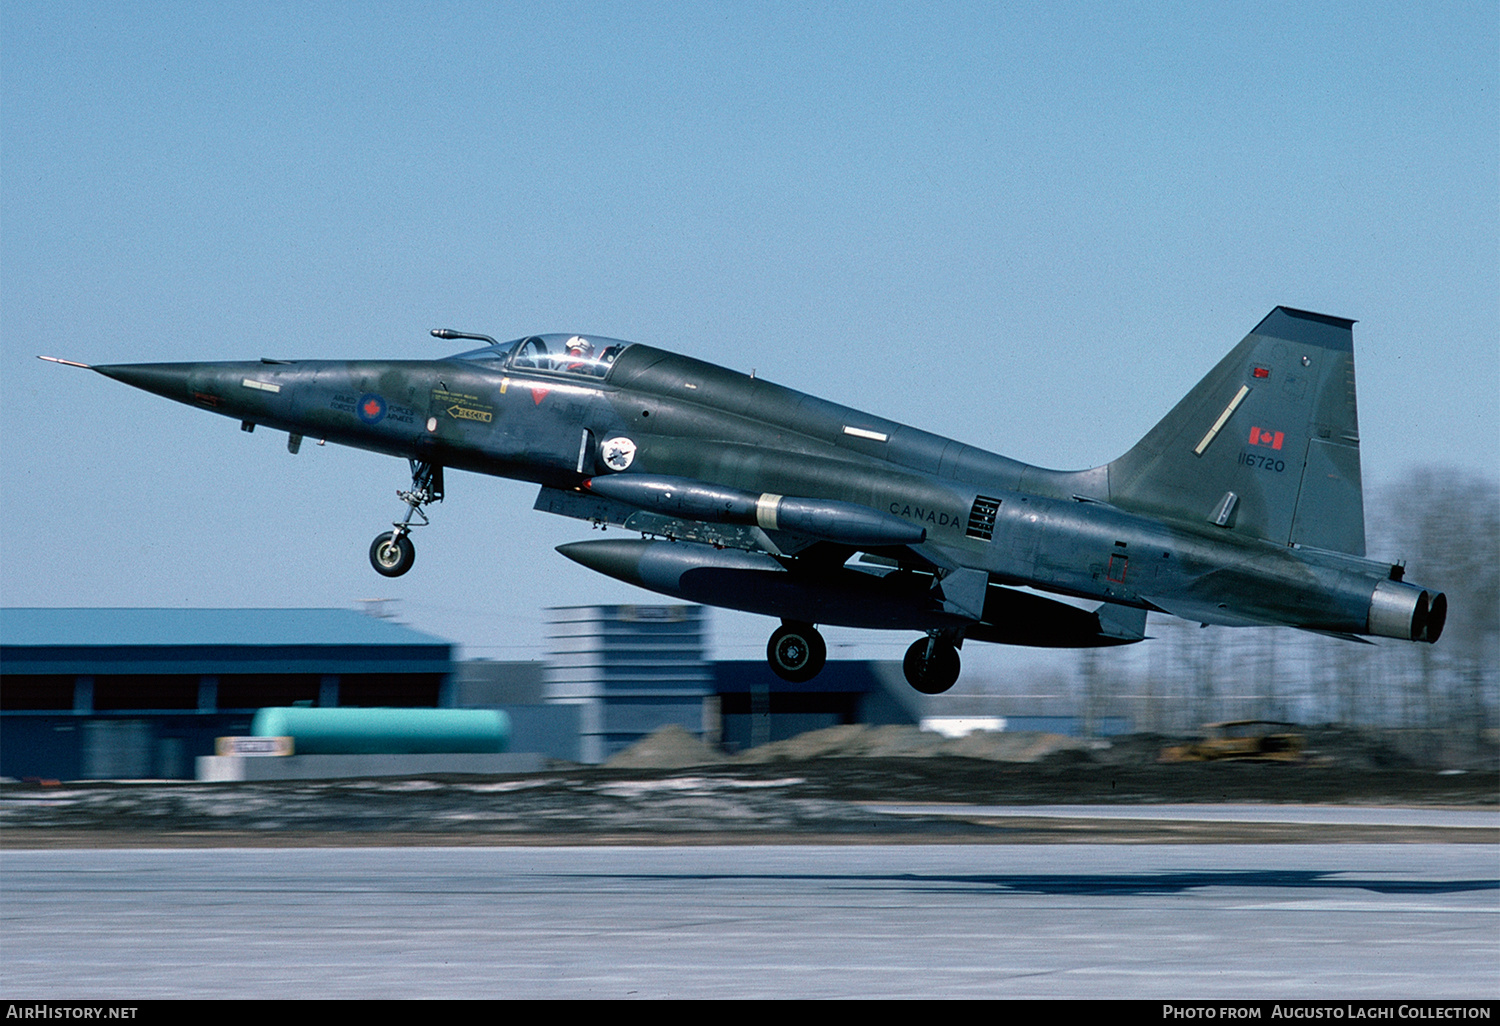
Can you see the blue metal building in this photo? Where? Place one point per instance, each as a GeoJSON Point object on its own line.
{"type": "Point", "coordinates": [115, 693]}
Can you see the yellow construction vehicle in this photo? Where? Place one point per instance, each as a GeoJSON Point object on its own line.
{"type": "Point", "coordinates": [1244, 740]}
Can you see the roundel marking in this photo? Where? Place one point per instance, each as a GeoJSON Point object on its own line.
{"type": "Point", "coordinates": [618, 452]}
{"type": "Point", "coordinates": [371, 408]}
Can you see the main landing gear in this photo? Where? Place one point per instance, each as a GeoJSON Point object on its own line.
{"type": "Point", "coordinates": [932, 664]}
{"type": "Point", "coordinates": [392, 553]}
{"type": "Point", "coordinates": [796, 652]}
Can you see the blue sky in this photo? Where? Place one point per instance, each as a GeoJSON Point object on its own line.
{"type": "Point", "coordinates": [1031, 227]}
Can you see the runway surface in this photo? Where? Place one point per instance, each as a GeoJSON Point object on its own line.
{"type": "Point", "coordinates": [1487, 819]}
{"type": "Point", "coordinates": [1340, 921]}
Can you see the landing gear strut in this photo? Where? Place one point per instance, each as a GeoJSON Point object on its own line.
{"type": "Point", "coordinates": [796, 652]}
{"type": "Point", "coordinates": [392, 553]}
{"type": "Point", "coordinates": [931, 664]}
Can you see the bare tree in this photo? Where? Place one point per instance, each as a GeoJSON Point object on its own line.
{"type": "Point", "coordinates": [1444, 524]}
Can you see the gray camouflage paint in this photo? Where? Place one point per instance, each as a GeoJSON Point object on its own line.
{"type": "Point", "coordinates": [1241, 507]}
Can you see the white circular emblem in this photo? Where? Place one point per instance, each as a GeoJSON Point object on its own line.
{"type": "Point", "coordinates": [431, 423]}
{"type": "Point", "coordinates": [617, 452]}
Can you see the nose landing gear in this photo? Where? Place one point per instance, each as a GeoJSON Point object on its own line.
{"type": "Point", "coordinates": [392, 553]}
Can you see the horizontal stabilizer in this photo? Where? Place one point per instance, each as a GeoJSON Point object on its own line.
{"type": "Point", "coordinates": [1341, 635]}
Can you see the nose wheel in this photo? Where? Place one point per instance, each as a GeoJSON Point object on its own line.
{"type": "Point", "coordinates": [392, 553]}
{"type": "Point", "coordinates": [931, 665]}
{"type": "Point", "coordinates": [796, 652]}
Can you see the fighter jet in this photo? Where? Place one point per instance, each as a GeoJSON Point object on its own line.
{"type": "Point", "coordinates": [1242, 507]}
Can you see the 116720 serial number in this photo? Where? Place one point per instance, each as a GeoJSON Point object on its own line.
{"type": "Point", "coordinates": [1255, 459]}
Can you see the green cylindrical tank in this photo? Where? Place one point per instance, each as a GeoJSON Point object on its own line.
{"type": "Point", "coordinates": [350, 731]}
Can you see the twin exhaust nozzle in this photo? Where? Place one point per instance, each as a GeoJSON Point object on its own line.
{"type": "Point", "coordinates": [1400, 610]}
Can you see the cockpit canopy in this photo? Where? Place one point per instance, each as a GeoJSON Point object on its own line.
{"type": "Point", "coordinates": [589, 356]}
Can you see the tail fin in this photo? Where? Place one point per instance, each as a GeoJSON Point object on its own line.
{"type": "Point", "coordinates": [1267, 445]}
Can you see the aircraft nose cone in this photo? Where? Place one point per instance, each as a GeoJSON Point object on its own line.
{"type": "Point", "coordinates": [164, 379]}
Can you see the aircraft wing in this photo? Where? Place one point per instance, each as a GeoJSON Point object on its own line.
{"type": "Point", "coordinates": [749, 566]}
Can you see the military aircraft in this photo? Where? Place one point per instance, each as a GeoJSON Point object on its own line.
{"type": "Point", "coordinates": [1242, 507]}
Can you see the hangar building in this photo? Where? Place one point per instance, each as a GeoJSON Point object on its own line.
{"type": "Point", "coordinates": [122, 693]}
{"type": "Point", "coordinates": [138, 693]}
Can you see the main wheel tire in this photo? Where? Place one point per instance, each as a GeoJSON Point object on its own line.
{"type": "Point", "coordinates": [796, 652]}
{"type": "Point", "coordinates": [935, 673]}
{"type": "Point", "coordinates": [392, 556]}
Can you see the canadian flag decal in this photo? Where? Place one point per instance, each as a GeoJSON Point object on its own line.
{"type": "Point", "coordinates": [1270, 439]}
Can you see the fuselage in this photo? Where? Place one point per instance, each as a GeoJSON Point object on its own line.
{"type": "Point", "coordinates": [531, 411]}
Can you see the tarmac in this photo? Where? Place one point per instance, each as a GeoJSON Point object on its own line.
{"type": "Point", "coordinates": [1341, 922]}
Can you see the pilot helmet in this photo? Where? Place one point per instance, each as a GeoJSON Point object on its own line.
{"type": "Point", "coordinates": [580, 347]}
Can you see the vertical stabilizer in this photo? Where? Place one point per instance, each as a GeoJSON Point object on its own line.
{"type": "Point", "coordinates": [1267, 445]}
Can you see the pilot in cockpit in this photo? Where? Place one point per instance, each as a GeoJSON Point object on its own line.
{"type": "Point", "coordinates": [580, 355]}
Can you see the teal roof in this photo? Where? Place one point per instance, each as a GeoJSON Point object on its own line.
{"type": "Point", "coordinates": [115, 628]}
